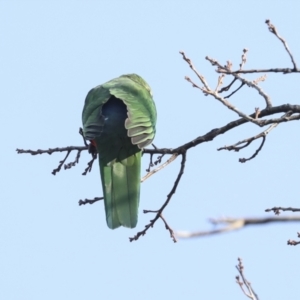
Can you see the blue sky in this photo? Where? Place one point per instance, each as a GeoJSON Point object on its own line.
{"type": "Point", "coordinates": [53, 53]}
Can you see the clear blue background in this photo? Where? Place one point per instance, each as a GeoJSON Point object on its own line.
{"type": "Point", "coordinates": [52, 54]}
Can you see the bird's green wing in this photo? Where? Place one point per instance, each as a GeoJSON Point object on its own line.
{"type": "Point", "coordinates": [136, 95]}
{"type": "Point", "coordinates": [92, 118]}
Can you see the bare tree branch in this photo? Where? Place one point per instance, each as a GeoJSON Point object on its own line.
{"type": "Point", "coordinates": [232, 224]}
{"type": "Point", "coordinates": [207, 137]}
{"type": "Point", "coordinates": [277, 210]}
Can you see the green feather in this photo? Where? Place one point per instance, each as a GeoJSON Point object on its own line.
{"type": "Point", "coordinates": [121, 188]}
{"type": "Point", "coordinates": [120, 117]}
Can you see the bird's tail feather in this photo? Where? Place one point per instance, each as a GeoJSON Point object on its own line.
{"type": "Point", "coordinates": [121, 189]}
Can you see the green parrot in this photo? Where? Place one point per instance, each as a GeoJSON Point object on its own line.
{"type": "Point", "coordinates": [119, 119]}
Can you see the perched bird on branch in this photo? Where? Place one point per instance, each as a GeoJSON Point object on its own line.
{"type": "Point", "coordinates": [119, 119]}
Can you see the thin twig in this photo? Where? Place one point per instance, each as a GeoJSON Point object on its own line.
{"type": "Point", "coordinates": [243, 160]}
{"type": "Point", "coordinates": [172, 235]}
{"type": "Point", "coordinates": [250, 293]}
{"type": "Point", "coordinates": [220, 82]}
{"type": "Point", "coordinates": [293, 242]}
{"type": "Point", "coordinates": [273, 29]}
{"type": "Point", "coordinates": [277, 209]}
{"type": "Point", "coordinates": [244, 58]}
{"type": "Point", "coordinates": [202, 79]}
{"type": "Point", "coordinates": [233, 224]}
{"type": "Point", "coordinates": [89, 201]}
{"type": "Point", "coordinates": [90, 165]}
{"type": "Point", "coordinates": [171, 159]}
{"type": "Point", "coordinates": [236, 90]}
{"type": "Point", "coordinates": [227, 87]}
{"type": "Point", "coordinates": [81, 133]}
{"type": "Point", "coordinates": [61, 163]}
{"type": "Point", "coordinates": [150, 163]}
{"type": "Point", "coordinates": [73, 163]}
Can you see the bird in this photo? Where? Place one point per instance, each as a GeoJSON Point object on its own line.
{"type": "Point", "coordinates": [119, 119]}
